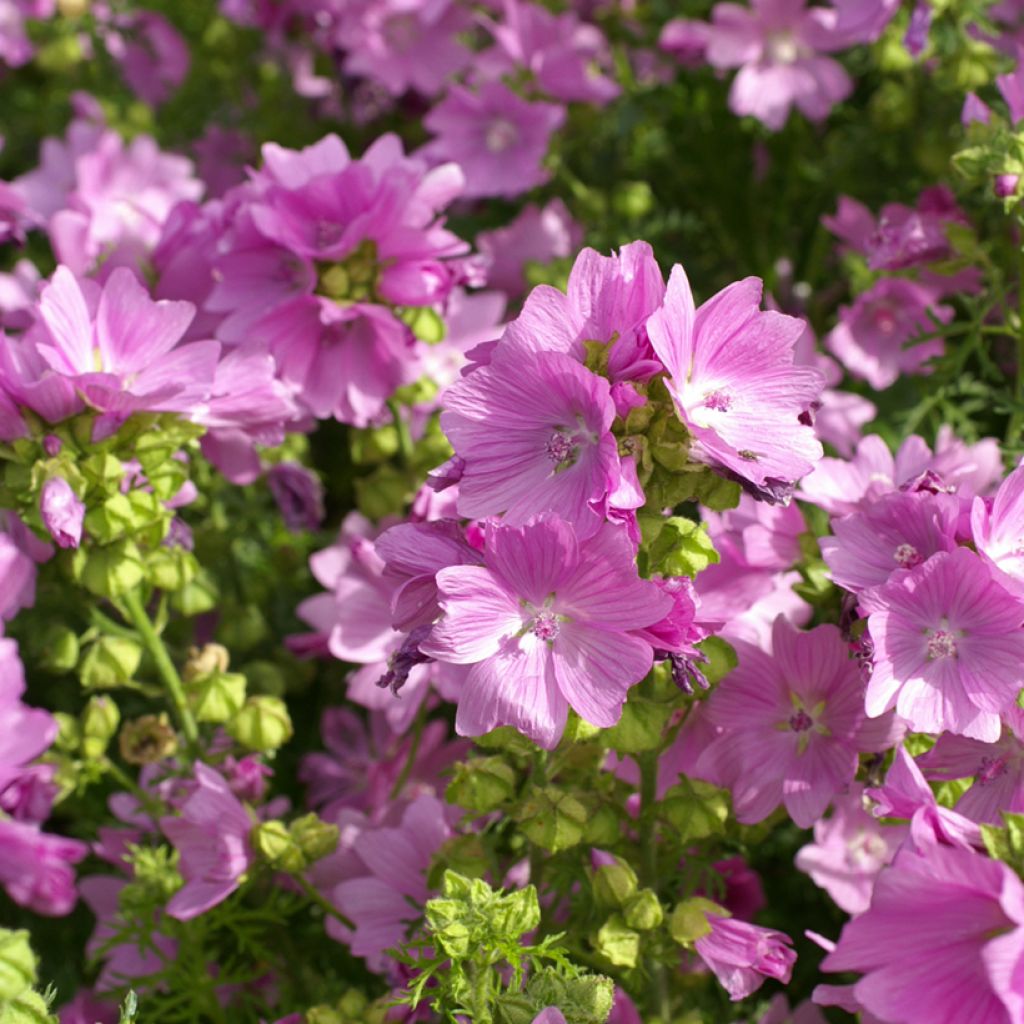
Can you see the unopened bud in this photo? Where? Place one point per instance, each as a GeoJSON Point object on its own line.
{"type": "Point", "coordinates": [315, 838]}
{"type": "Point", "coordinates": [205, 660]}
{"type": "Point", "coordinates": [100, 718]}
{"type": "Point", "coordinates": [277, 846]}
{"type": "Point", "coordinates": [262, 724]}
{"type": "Point", "coordinates": [62, 511]}
{"type": "Point", "coordinates": [147, 740]}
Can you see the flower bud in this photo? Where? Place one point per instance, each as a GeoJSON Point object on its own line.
{"type": "Point", "coordinates": [315, 839]}
{"type": "Point", "coordinates": [100, 718]}
{"type": "Point", "coordinates": [205, 661]}
{"type": "Point", "coordinates": [643, 912]}
{"type": "Point", "coordinates": [58, 649]}
{"type": "Point", "coordinates": [262, 724]}
{"type": "Point", "coordinates": [1005, 185]}
{"type": "Point", "coordinates": [614, 885]}
{"type": "Point", "coordinates": [481, 784]}
{"type": "Point", "coordinates": [617, 942]}
{"type": "Point", "coordinates": [299, 496]}
{"type": "Point", "coordinates": [62, 511]}
{"type": "Point", "coordinates": [553, 819]}
{"type": "Point", "coordinates": [17, 964]}
{"type": "Point", "coordinates": [273, 841]}
{"type": "Point", "coordinates": [29, 1008]}
{"type": "Point", "coordinates": [110, 662]}
{"type": "Point", "coordinates": [696, 809]}
{"type": "Point", "coordinates": [147, 739]}
{"type": "Point", "coordinates": [689, 920]}
{"type": "Point", "coordinates": [217, 697]}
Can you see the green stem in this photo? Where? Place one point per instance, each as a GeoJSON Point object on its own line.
{"type": "Point", "coordinates": [325, 905]}
{"type": "Point", "coordinates": [165, 668]}
{"type": "Point", "coordinates": [405, 445]}
{"type": "Point", "coordinates": [1013, 427]}
{"type": "Point", "coordinates": [414, 748]}
{"type": "Point", "coordinates": [108, 625]}
{"type": "Point", "coordinates": [649, 867]}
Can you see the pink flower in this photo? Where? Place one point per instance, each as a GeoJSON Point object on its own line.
{"type": "Point", "coordinates": [850, 848]}
{"type": "Point", "coordinates": [948, 647]}
{"type": "Point", "coordinates": [742, 955]}
{"type": "Point", "coordinates": [686, 40]}
{"type": "Point", "coordinates": [840, 486]}
{"type": "Point", "coordinates": [997, 769]}
{"type": "Point", "coordinates": [997, 529]}
{"type": "Point", "coordinates": [495, 136]}
{"type": "Point", "coordinates": [793, 725]}
{"type": "Point", "coordinates": [389, 889]}
{"type": "Point", "coordinates": [898, 532]}
{"type": "Point", "coordinates": [1011, 88]}
{"type": "Point", "coordinates": [36, 867]}
{"type": "Point", "coordinates": [535, 435]}
{"type": "Point", "coordinates": [62, 511]}
{"type": "Point", "coordinates": [151, 53]}
{"type": "Point", "coordinates": [566, 56]}
{"type": "Point", "coordinates": [537, 235]}
{"type": "Point", "coordinates": [775, 44]}
{"type": "Point", "coordinates": [731, 373]}
{"type": "Point", "coordinates": [943, 933]}
{"type": "Point", "coordinates": [871, 338]}
{"type": "Point", "coordinates": [116, 348]}
{"type": "Point", "coordinates": [18, 571]}
{"type": "Point", "coordinates": [544, 625]}
{"type": "Point", "coordinates": [299, 495]}
{"type": "Point", "coordinates": [212, 836]}
{"type": "Point", "coordinates": [405, 44]}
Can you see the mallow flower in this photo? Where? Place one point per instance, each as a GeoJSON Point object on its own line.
{"type": "Point", "coordinates": [212, 836]}
{"type": "Point", "coordinates": [544, 624]}
{"type": "Point", "coordinates": [948, 647]}
{"type": "Point", "coordinates": [62, 511]}
{"type": "Point", "coordinates": [997, 528]}
{"type": "Point", "coordinates": [730, 371]}
{"type": "Point", "coordinates": [535, 436]}
{"type": "Point", "coordinates": [36, 867]}
{"type": "Point", "coordinates": [743, 956]}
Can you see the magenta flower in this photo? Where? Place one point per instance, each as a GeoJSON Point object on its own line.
{"type": "Point", "coordinates": [299, 495]}
{"type": "Point", "coordinates": [948, 647]}
{"type": "Point", "coordinates": [997, 529]}
{"type": "Point", "coordinates": [535, 435]}
{"type": "Point", "coordinates": [741, 955]}
{"type": "Point", "coordinates": [841, 486]}
{"type": "Point", "coordinates": [212, 836]}
{"type": "Point", "coordinates": [871, 338]}
{"type": "Point", "coordinates": [793, 725]}
{"type": "Point", "coordinates": [151, 53]}
{"type": "Point", "coordinates": [412, 44]}
{"type": "Point", "coordinates": [731, 373]}
{"type": "Point", "coordinates": [943, 932]}
{"type": "Point", "coordinates": [62, 511]}
{"type": "Point", "coordinates": [776, 45]}
{"type": "Point", "coordinates": [898, 532]}
{"type": "Point", "coordinates": [117, 349]}
{"type": "Point", "coordinates": [389, 889]}
{"type": "Point", "coordinates": [496, 137]}
{"type": "Point", "coordinates": [566, 55]}
{"type": "Point", "coordinates": [537, 235]}
{"type": "Point", "coordinates": [997, 769]}
{"type": "Point", "coordinates": [850, 848]}
{"type": "Point", "coordinates": [552, 1015]}
{"type": "Point", "coordinates": [544, 625]}
{"type": "Point", "coordinates": [18, 571]}
{"type": "Point", "coordinates": [36, 867]}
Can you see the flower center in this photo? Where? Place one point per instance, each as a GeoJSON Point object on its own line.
{"type": "Point", "coordinates": [545, 625]}
{"type": "Point", "coordinates": [718, 400]}
{"type": "Point", "coordinates": [885, 321]}
{"type": "Point", "coordinates": [800, 721]}
{"type": "Point", "coordinates": [562, 449]}
{"type": "Point", "coordinates": [941, 644]}
{"type": "Point", "coordinates": [907, 556]}
{"type": "Point", "coordinates": [990, 769]}
{"type": "Point", "coordinates": [501, 134]}
{"type": "Point", "coordinates": [782, 47]}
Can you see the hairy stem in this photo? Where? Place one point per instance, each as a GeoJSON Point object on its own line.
{"type": "Point", "coordinates": [165, 668]}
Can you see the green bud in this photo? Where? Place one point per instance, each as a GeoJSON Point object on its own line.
{"type": "Point", "coordinates": [553, 819]}
{"type": "Point", "coordinates": [689, 920]}
{"type": "Point", "coordinates": [425, 323]}
{"type": "Point", "coordinates": [262, 724]}
{"type": "Point", "coordinates": [69, 732]}
{"type": "Point", "coordinates": [641, 726]}
{"type": "Point", "coordinates": [482, 784]}
{"type": "Point", "coordinates": [29, 1008]}
{"type": "Point", "coordinates": [614, 885]}
{"type": "Point", "coordinates": [100, 718]}
{"type": "Point", "coordinates": [111, 570]}
{"type": "Point", "coordinates": [603, 827]}
{"type": "Point", "coordinates": [633, 199]}
{"type": "Point", "coordinates": [154, 879]}
{"type": "Point", "coordinates": [315, 838]}
{"type": "Point", "coordinates": [324, 1014]}
{"type": "Point", "coordinates": [217, 697]}
{"type": "Point", "coordinates": [171, 569]}
{"type": "Point", "coordinates": [696, 809]}
{"type": "Point", "coordinates": [273, 841]}
{"type": "Point", "coordinates": [110, 662]}
{"type": "Point", "coordinates": [643, 912]}
{"type": "Point", "coordinates": [682, 548]}
{"type": "Point", "coordinates": [197, 597]}
{"type": "Point", "coordinates": [617, 942]}
{"type": "Point", "coordinates": [583, 1000]}
{"type": "Point", "coordinates": [17, 964]}
{"type": "Point", "coordinates": [57, 649]}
